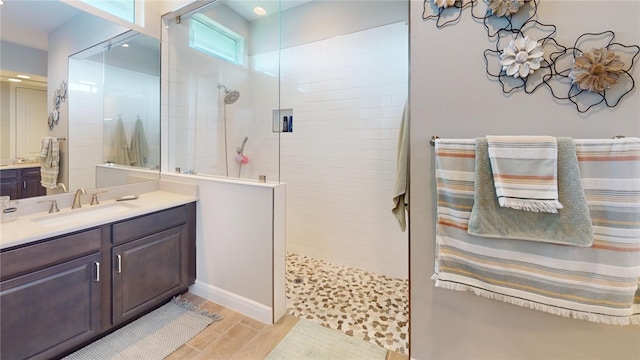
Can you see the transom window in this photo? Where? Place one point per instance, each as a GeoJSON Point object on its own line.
{"type": "Point", "coordinates": [124, 9]}
{"type": "Point", "coordinates": [214, 39]}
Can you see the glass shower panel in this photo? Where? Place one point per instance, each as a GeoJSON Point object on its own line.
{"type": "Point", "coordinates": [222, 96]}
{"type": "Point", "coordinates": [132, 101]}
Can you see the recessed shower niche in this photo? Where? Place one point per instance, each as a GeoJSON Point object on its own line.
{"type": "Point", "coordinates": [282, 120]}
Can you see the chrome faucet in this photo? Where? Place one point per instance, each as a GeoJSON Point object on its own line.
{"type": "Point", "coordinates": [76, 199]}
{"type": "Point", "coordinates": [61, 185]}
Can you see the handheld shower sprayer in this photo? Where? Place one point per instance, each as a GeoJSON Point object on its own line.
{"type": "Point", "coordinates": [240, 150]}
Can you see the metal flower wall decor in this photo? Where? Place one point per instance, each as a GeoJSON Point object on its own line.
{"type": "Point", "coordinates": [521, 57]}
{"type": "Point", "coordinates": [596, 75]}
{"type": "Point", "coordinates": [59, 96]}
{"type": "Point", "coordinates": [596, 69]}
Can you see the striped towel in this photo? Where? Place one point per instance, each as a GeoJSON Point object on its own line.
{"type": "Point", "coordinates": [525, 172]}
{"type": "Point", "coordinates": [597, 283]}
{"type": "Point", "coordinates": [49, 162]}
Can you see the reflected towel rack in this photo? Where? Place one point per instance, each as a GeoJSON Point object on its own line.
{"type": "Point", "coordinates": [433, 139]}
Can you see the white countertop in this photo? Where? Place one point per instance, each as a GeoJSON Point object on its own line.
{"type": "Point", "coordinates": [24, 229]}
{"type": "Point", "coordinates": [19, 166]}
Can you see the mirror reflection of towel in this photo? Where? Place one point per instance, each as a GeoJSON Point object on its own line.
{"type": "Point", "coordinates": [49, 162]}
{"type": "Point", "coordinates": [120, 147]}
{"type": "Point", "coordinates": [139, 147]}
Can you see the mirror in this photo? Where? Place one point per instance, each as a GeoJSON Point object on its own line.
{"type": "Point", "coordinates": [37, 44]}
{"type": "Point", "coordinates": [114, 108]}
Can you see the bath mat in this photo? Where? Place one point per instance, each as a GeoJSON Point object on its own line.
{"type": "Point", "coordinates": [153, 336]}
{"type": "Point", "coordinates": [311, 341]}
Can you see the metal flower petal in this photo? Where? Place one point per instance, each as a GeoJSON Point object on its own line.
{"type": "Point", "coordinates": [502, 8]}
{"type": "Point", "coordinates": [444, 3]}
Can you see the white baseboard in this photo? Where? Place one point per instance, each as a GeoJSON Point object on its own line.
{"type": "Point", "coordinates": [234, 302]}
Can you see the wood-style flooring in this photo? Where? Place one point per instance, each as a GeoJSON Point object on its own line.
{"type": "Point", "coordinates": [237, 336]}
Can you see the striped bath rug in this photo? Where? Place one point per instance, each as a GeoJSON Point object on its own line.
{"type": "Point", "coordinates": [153, 336]}
{"type": "Point", "coordinates": [310, 341]}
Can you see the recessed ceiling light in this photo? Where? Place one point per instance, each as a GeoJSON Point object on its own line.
{"type": "Point", "coordinates": [1, 2]}
{"type": "Point", "coordinates": [259, 11]}
{"type": "Point", "coordinates": [125, 45]}
{"type": "Point", "coordinates": [14, 80]}
{"type": "Point", "coordinates": [23, 76]}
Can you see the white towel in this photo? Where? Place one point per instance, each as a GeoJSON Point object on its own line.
{"type": "Point", "coordinates": [139, 147]}
{"type": "Point", "coordinates": [49, 162]}
{"type": "Point", "coordinates": [401, 192]}
{"type": "Point", "coordinates": [120, 147]}
{"type": "Point", "coordinates": [525, 172]}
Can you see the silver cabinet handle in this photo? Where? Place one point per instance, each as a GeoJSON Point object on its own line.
{"type": "Point", "coordinates": [119, 269]}
{"type": "Point", "coordinates": [97, 271]}
{"type": "Point", "coordinates": [24, 184]}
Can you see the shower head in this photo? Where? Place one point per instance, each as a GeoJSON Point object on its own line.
{"type": "Point", "coordinates": [230, 96]}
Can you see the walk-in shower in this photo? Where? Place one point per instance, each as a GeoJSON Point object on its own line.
{"type": "Point", "coordinates": [346, 85]}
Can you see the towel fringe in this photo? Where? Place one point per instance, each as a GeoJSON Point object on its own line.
{"type": "Point", "coordinates": [580, 315]}
{"type": "Point", "coordinates": [548, 206]}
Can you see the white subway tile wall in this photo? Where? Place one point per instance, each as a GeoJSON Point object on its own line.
{"type": "Point", "coordinates": [347, 94]}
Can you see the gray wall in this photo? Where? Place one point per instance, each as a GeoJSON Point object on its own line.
{"type": "Point", "coordinates": [18, 58]}
{"type": "Point", "coordinates": [451, 96]}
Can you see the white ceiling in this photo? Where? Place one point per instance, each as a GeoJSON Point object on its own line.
{"type": "Point", "coordinates": [28, 22]}
{"type": "Point", "coordinates": [245, 7]}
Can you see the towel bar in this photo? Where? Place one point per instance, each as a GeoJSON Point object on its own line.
{"type": "Point", "coordinates": [433, 139]}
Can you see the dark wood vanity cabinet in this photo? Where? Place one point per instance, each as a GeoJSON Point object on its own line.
{"type": "Point", "coordinates": [30, 183]}
{"type": "Point", "coordinates": [59, 294]}
{"type": "Point", "coordinates": [21, 183]}
{"type": "Point", "coordinates": [9, 184]}
{"type": "Point", "coordinates": [156, 258]}
{"type": "Point", "coordinates": [50, 296]}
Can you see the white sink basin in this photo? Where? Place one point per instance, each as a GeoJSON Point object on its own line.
{"type": "Point", "coordinates": [84, 214]}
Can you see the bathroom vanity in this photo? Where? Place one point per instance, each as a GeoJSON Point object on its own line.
{"type": "Point", "coordinates": [20, 182]}
{"type": "Point", "coordinates": [60, 292]}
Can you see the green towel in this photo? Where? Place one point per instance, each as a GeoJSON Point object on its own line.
{"type": "Point", "coordinates": [401, 191]}
{"type": "Point", "coordinates": [570, 226]}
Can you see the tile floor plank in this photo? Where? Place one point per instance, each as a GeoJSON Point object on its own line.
{"type": "Point", "coordinates": [229, 344]}
{"type": "Point", "coordinates": [267, 339]}
{"type": "Point", "coordinates": [214, 331]}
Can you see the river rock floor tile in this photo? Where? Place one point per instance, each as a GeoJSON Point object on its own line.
{"type": "Point", "coordinates": [361, 304]}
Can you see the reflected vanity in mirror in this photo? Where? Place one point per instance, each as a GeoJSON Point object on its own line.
{"type": "Point", "coordinates": [128, 86]}
{"type": "Point", "coordinates": [114, 112]}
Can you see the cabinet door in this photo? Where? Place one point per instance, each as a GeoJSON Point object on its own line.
{"type": "Point", "coordinates": [146, 271]}
{"type": "Point", "coordinates": [9, 184]}
{"type": "Point", "coordinates": [51, 310]}
{"type": "Point", "coordinates": [31, 183]}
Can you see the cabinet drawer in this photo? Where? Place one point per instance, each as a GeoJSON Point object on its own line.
{"type": "Point", "coordinates": [149, 224]}
{"type": "Point", "coordinates": [31, 172]}
{"type": "Point", "coordinates": [33, 257]}
{"type": "Point", "coordinates": [8, 174]}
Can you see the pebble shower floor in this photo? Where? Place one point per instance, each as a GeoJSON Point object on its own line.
{"type": "Point", "coordinates": [361, 304]}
